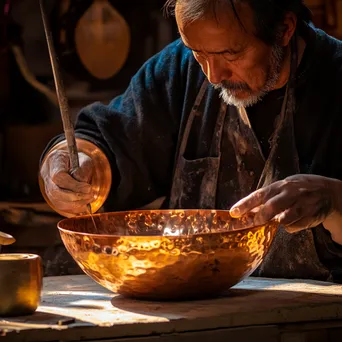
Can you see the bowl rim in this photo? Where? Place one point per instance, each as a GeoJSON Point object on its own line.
{"type": "Point", "coordinates": [15, 257]}
{"type": "Point", "coordinates": [88, 216]}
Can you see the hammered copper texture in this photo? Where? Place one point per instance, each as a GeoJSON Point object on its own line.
{"type": "Point", "coordinates": [166, 254]}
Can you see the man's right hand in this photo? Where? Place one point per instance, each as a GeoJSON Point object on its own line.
{"type": "Point", "coordinates": [70, 192]}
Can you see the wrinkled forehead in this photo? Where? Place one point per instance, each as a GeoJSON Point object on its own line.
{"type": "Point", "coordinates": [217, 28]}
{"type": "Point", "coordinates": [226, 13]}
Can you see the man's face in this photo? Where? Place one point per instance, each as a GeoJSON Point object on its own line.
{"type": "Point", "coordinates": [234, 60]}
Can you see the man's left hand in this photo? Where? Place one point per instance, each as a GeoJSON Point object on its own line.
{"type": "Point", "coordinates": [297, 202]}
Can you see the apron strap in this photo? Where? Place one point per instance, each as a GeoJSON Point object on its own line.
{"type": "Point", "coordinates": [194, 112]}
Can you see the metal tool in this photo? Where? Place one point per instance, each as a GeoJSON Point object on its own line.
{"type": "Point", "coordinates": [6, 239]}
{"type": "Point", "coordinates": [68, 126]}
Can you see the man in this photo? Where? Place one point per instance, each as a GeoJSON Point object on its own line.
{"type": "Point", "coordinates": [244, 113]}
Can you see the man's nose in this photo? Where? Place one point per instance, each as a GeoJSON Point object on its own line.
{"type": "Point", "coordinates": [217, 71]}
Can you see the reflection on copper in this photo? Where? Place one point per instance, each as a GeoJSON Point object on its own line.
{"type": "Point", "coordinates": [21, 279]}
{"type": "Point", "coordinates": [167, 254]}
{"type": "Point", "coordinates": [101, 181]}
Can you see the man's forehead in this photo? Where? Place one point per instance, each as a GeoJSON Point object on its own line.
{"type": "Point", "coordinates": [204, 36]}
{"type": "Point", "coordinates": [222, 13]}
{"type": "Point", "coordinates": [216, 33]}
{"type": "Point", "coordinates": [214, 50]}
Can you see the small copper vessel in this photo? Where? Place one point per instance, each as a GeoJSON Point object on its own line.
{"type": "Point", "coordinates": [102, 177]}
{"type": "Point", "coordinates": [21, 279]}
{"type": "Point", "coordinates": [166, 254]}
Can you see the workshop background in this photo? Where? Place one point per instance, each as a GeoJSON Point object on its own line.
{"type": "Point", "coordinates": [135, 30]}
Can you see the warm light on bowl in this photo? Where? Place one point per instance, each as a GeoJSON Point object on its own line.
{"type": "Point", "coordinates": [130, 255]}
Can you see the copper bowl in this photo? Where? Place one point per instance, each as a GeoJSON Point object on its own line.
{"type": "Point", "coordinates": [166, 254]}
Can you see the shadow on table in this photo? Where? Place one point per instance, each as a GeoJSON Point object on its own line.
{"type": "Point", "coordinates": [236, 301]}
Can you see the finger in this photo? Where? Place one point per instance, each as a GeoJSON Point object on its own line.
{"type": "Point", "coordinates": [291, 215]}
{"type": "Point", "coordinates": [64, 181]}
{"type": "Point", "coordinates": [274, 207]}
{"type": "Point", "coordinates": [255, 199]}
{"type": "Point", "coordinates": [293, 229]}
{"type": "Point", "coordinates": [82, 175]}
{"type": "Point", "coordinates": [57, 194]}
{"type": "Point", "coordinates": [301, 216]}
{"type": "Point", "coordinates": [59, 161]}
{"type": "Point", "coordinates": [307, 206]}
{"type": "Point", "coordinates": [304, 223]}
{"type": "Point", "coordinates": [77, 208]}
{"type": "Point", "coordinates": [84, 172]}
{"type": "Point", "coordinates": [245, 221]}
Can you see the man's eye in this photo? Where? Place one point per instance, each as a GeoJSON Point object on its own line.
{"type": "Point", "coordinates": [198, 54]}
{"type": "Point", "coordinates": [229, 57]}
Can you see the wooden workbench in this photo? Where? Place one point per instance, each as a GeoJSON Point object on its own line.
{"type": "Point", "coordinates": [75, 308]}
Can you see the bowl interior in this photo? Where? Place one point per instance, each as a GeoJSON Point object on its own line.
{"type": "Point", "coordinates": [156, 223]}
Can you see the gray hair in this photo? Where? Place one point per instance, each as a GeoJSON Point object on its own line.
{"type": "Point", "coordinates": [268, 14]}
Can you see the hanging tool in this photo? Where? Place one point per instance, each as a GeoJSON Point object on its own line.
{"type": "Point", "coordinates": [68, 126]}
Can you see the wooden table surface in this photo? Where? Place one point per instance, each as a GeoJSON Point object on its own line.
{"type": "Point", "coordinates": [75, 308]}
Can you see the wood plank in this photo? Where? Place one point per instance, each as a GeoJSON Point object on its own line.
{"type": "Point", "coordinates": [102, 314]}
{"type": "Point", "coordinates": [246, 334]}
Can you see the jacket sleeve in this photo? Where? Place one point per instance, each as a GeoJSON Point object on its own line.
{"type": "Point", "coordinates": [138, 130]}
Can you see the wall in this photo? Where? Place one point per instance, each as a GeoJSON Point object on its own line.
{"type": "Point", "coordinates": [327, 15]}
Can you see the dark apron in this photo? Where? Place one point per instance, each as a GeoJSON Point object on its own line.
{"type": "Point", "coordinates": [196, 181]}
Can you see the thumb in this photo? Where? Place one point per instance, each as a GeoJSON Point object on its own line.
{"type": "Point", "coordinates": [85, 171]}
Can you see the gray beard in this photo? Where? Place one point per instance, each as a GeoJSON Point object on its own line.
{"type": "Point", "coordinates": [276, 62]}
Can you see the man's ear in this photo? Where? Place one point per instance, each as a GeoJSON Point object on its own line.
{"type": "Point", "coordinates": [288, 28]}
